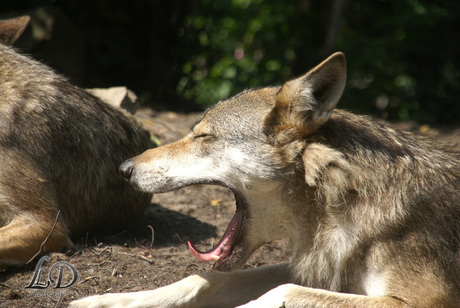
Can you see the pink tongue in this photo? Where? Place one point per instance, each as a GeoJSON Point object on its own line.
{"type": "Point", "coordinates": [224, 246]}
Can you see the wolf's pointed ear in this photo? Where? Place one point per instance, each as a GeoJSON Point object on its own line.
{"type": "Point", "coordinates": [305, 103]}
{"type": "Point", "coordinates": [11, 29]}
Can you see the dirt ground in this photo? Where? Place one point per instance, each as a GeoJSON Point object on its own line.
{"type": "Point", "coordinates": [152, 252]}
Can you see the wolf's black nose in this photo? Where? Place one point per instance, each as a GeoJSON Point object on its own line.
{"type": "Point", "coordinates": [126, 169]}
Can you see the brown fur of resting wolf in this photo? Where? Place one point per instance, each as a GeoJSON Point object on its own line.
{"type": "Point", "coordinates": [372, 213]}
{"type": "Point", "coordinates": [60, 148]}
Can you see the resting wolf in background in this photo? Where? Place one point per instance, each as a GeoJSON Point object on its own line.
{"type": "Point", "coordinates": [372, 214]}
{"type": "Point", "coordinates": [60, 148]}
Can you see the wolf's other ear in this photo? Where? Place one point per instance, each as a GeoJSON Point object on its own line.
{"type": "Point", "coordinates": [306, 103]}
{"type": "Point", "coordinates": [11, 29]}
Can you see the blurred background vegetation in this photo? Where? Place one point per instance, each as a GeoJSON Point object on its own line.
{"type": "Point", "coordinates": [403, 55]}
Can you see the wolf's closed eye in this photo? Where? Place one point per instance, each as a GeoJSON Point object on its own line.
{"type": "Point", "coordinates": [204, 135]}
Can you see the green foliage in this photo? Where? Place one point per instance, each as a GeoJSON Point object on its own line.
{"type": "Point", "coordinates": [403, 59]}
{"type": "Point", "coordinates": [238, 44]}
{"type": "Point", "coordinates": [402, 55]}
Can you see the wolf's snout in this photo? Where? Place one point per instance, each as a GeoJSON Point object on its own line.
{"type": "Point", "coordinates": [126, 169]}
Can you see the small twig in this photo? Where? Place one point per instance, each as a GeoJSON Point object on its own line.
{"type": "Point", "coordinates": [146, 259]}
{"type": "Point", "coordinates": [126, 253]}
{"type": "Point", "coordinates": [153, 235]}
{"type": "Point", "coordinates": [177, 235]}
{"type": "Point", "coordinates": [99, 254]}
{"type": "Point", "coordinates": [137, 255]}
{"type": "Point", "coordinates": [104, 262]}
{"type": "Point", "coordinates": [46, 239]}
{"type": "Point", "coordinates": [192, 265]}
{"type": "Point", "coordinates": [89, 278]}
{"type": "Point", "coordinates": [59, 301]}
{"type": "Point", "coordinates": [78, 291]}
{"type": "Point", "coordinates": [118, 234]}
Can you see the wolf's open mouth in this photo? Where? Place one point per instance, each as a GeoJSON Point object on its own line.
{"type": "Point", "coordinates": [223, 250]}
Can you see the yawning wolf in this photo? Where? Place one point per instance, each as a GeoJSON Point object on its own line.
{"type": "Point", "coordinates": [372, 213]}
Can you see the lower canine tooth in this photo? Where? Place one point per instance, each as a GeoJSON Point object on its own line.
{"type": "Point", "coordinates": [216, 258]}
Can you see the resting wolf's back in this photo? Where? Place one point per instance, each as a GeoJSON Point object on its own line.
{"type": "Point", "coordinates": [72, 140]}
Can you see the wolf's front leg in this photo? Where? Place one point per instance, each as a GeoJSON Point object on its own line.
{"type": "Point", "coordinates": [294, 296]}
{"type": "Point", "coordinates": [206, 290]}
{"type": "Point", "coordinates": [180, 294]}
